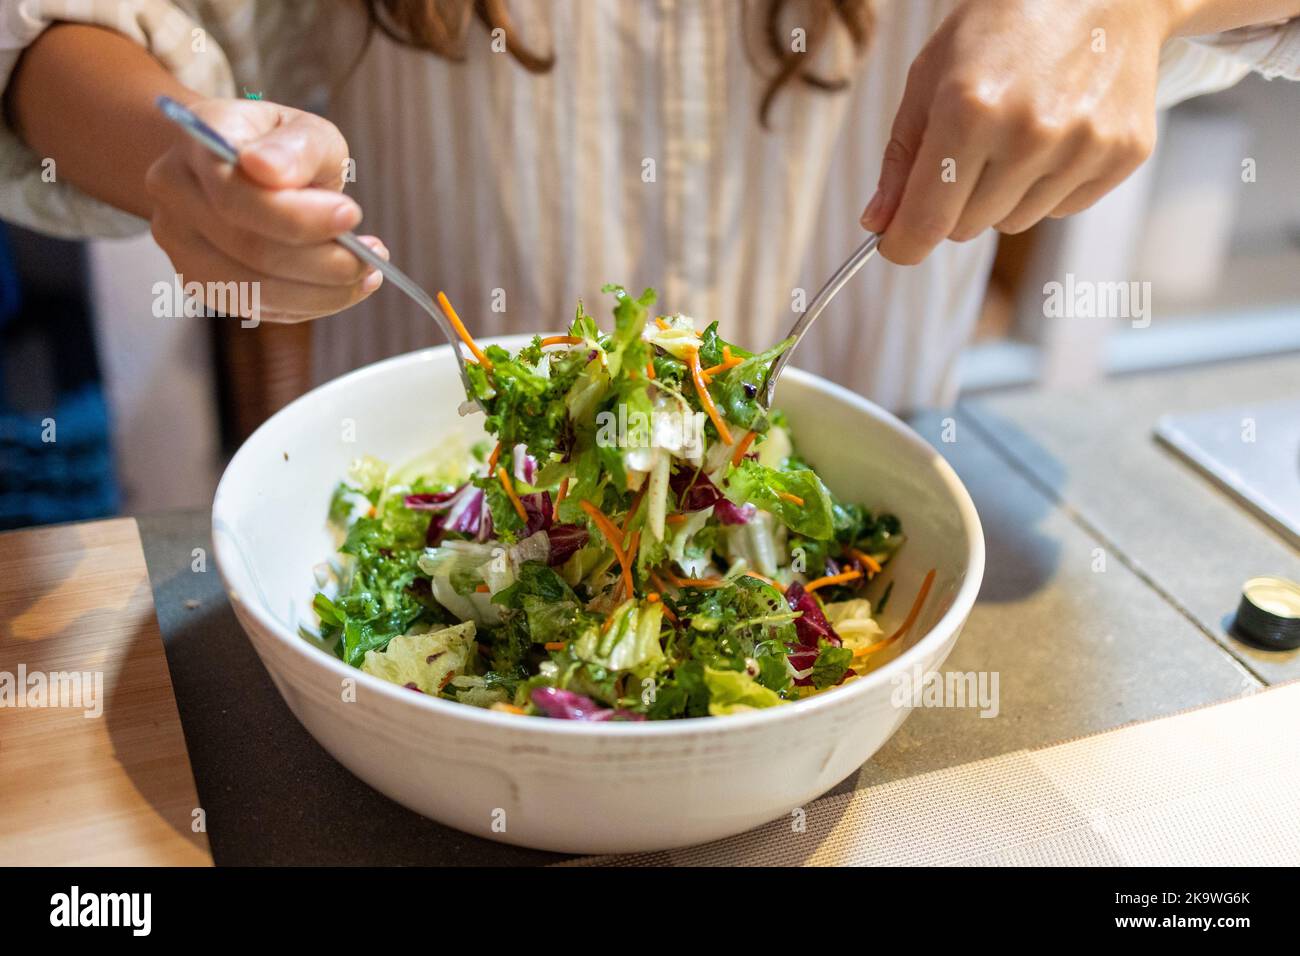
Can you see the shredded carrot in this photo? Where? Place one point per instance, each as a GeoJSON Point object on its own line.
{"type": "Point", "coordinates": [662, 323]}
{"type": "Point", "coordinates": [702, 390]}
{"type": "Point", "coordinates": [494, 457]}
{"type": "Point", "coordinates": [482, 589]}
{"type": "Point", "coordinates": [871, 649]}
{"type": "Point", "coordinates": [668, 613]}
{"type": "Point", "coordinates": [766, 580]}
{"type": "Point", "coordinates": [650, 369]}
{"type": "Point", "coordinates": [832, 579]}
{"type": "Point", "coordinates": [613, 539]}
{"type": "Point", "coordinates": [633, 545]}
{"type": "Point", "coordinates": [655, 597]}
{"type": "Point", "coordinates": [561, 340]}
{"type": "Point", "coordinates": [728, 362]}
{"type": "Point", "coordinates": [459, 326]}
{"type": "Point", "coordinates": [793, 499]}
{"type": "Point", "coordinates": [694, 582]}
{"type": "Point", "coordinates": [871, 563]}
{"type": "Point", "coordinates": [658, 581]}
{"type": "Point", "coordinates": [504, 708]}
{"type": "Point", "coordinates": [555, 645]}
{"type": "Point", "coordinates": [372, 512]}
{"type": "Point", "coordinates": [608, 623]}
{"type": "Point", "coordinates": [908, 621]}
{"type": "Point", "coordinates": [675, 519]}
{"type": "Point", "coordinates": [724, 366]}
{"type": "Point", "coordinates": [559, 496]}
{"type": "Point", "coordinates": [510, 493]}
{"type": "Point", "coordinates": [743, 447]}
{"type": "Point", "coordinates": [913, 614]}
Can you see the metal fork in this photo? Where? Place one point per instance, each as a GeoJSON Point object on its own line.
{"type": "Point", "coordinates": [822, 299]}
{"type": "Point", "coordinates": [220, 146]}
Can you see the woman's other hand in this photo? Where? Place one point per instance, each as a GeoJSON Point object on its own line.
{"type": "Point", "coordinates": [271, 220]}
{"type": "Point", "coordinates": [1014, 111]}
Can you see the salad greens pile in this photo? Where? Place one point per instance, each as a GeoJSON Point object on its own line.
{"type": "Point", "coordinates": [642, 541]}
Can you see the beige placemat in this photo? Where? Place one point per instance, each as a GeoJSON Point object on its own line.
{"type": "Point", "coordinates": [1215, 786]}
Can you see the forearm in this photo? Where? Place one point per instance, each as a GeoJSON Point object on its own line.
{"type": "Point", "coordinates": [84, 97]}
{"type": "Point", "coordinates": [1197, 17]}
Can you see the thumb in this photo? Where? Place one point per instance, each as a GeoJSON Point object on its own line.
{"type": "Point", "coordinates": [900, 154]}
{"type": "Point", "coordinates": [301, 150]}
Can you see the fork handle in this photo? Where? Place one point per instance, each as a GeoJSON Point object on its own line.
{"type": "Point", "coordinates": [818, 305]}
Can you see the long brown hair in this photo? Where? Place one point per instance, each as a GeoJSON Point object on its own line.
{"type": "Point", "coordinates": [441, 27]}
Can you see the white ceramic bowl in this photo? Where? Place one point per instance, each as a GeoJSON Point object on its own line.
{"type": "Point", "coordinates": [560, 785]}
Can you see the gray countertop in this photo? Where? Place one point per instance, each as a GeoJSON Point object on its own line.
{"type": "Point", "coordinates": [1112, 568]}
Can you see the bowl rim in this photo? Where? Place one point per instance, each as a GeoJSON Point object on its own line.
{"type": "Point", "coordinates": [952, 619]}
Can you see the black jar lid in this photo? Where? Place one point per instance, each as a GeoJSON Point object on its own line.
{"type": "Point", "coordinates": [1269, 613]}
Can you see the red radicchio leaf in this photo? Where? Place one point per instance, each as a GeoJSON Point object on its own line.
{"type": "Point", "coordinates": [802, 658]}
{"type": "Point", "coordinates": [565, 539]}
{"type": "Point", "coordinates": [812, 628]}
{"type": "Point", "coordinates": [464, 510]}
{"type": "Point", "coordinates": [567, 705]}
{"type": "Point", "coordinates": [525, 465]}
{"type": "Point", "coordinates": [537, 506]}
{"type": "Point", "coordinates": [695, 492]}
{"type": "Point", "coordinates": [728, 513]}
{"type": "Point", "coordinates": [434, 502]}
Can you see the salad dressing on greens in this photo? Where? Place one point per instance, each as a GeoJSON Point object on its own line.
{"type": "Point", "coordinates": [639, 539]}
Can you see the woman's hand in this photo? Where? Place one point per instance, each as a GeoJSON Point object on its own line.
{"type": "Point", "coordinates": [269, 221]}
{"type": "Point", "coordinates": [1016, 110]}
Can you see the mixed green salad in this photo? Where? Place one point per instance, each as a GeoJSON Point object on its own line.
{"type": "Point", "coordinates": [641, 539]}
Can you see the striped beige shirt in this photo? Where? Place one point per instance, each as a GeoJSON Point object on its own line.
{"type": "Point", "coordinates": [638, 159]}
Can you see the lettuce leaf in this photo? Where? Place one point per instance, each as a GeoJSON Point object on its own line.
{"type": "Point", "coordinates": [630, 316]}
{"type": "Point", "coordinates": [631, 643]}
{"type": "Point", "coordinates": [525, 400]}
{"type": "Point", "coordinates": [384, 595]}
{"type": "Point", "coordinates": [584, 326]}
{"type": "Point", "coordinates": [752, 483]}
{"type": "Point", "coordinates": [733, 692]}
{"type": "Point", "coordinates": [737, 392]}
{"type": "Point", "coordinates": [537, 580]}
{"type": "Point", "coordinates": [426, 661]}
{"type": "Point", "coordinates": [546, 604]}
{"type": "Point", "coordinates": [831, 663]}
{"type": "Point", "coordinates": [476, 691]}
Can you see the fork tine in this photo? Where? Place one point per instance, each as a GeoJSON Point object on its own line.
{"type": "Point", "coordinates": [421, 298]}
